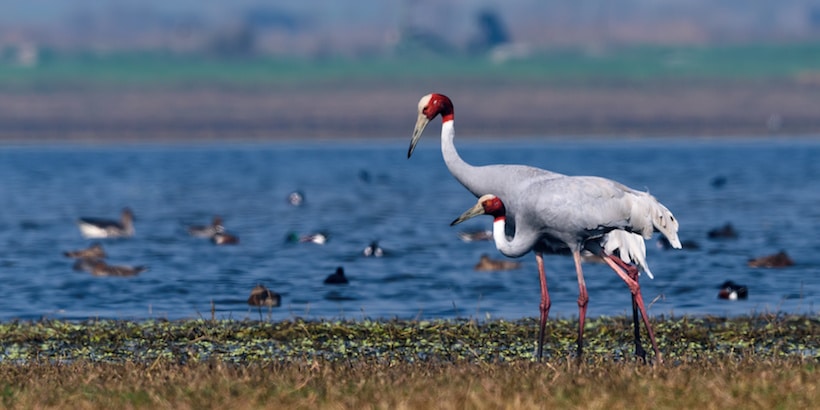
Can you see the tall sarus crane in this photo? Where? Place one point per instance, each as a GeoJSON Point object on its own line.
{"type": "Point", "coordinates": [514, 184]}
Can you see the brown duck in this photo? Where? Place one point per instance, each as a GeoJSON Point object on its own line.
{"type": "Point", "coordinates": [778, 260]}
{"type": "Point", "coordinates": [488, 264]}
{"type": "Point", "coordinates": [95, 251]}
{"type": "Point", "coordinates": [262, 296]}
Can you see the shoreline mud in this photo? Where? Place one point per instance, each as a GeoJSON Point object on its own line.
{"type": "Point", "coordinates": [378, 110]}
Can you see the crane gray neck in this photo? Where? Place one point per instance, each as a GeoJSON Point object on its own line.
{"type": "Point", "coordinates": [460, 169]}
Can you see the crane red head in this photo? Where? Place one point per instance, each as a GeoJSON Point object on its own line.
{"type": "Point", "coordinates": [430, 106]}
{"type": "Point", "coordinates": [487, 205]}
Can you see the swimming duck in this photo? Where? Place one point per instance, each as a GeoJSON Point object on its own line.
{"type": "Point", "coordinates": [724, 232]}
{"type": "Point", "coordinates": [104, 228]}
{"type": "Point", "coordinates": [100, 268]}
{"type": "Point", "coordinates": [262, 296]}
{"type": "Point", "coordinates": [319, 238]}
{"type": "Point", "coordinates": [85, 264]}
{"type": "Point", "coordinates": [732, 291]}
{"type": "Point", "coordinates": [778, 260]}
{"type": "Point", "coordinates": [224, 238]}
{"type": "Point", "coordinates": [207, 231]}
{"type": "Point", "coordinates": [487, 264]}
{"type": "Point", "coordinates": [296, 198]}
{"type": "Point", "coordinates": [719, 181]}
{"type": "Point", "coordinates": [95, 251]}
{"type": "Point", "coordinates": [373, 250]}
{"type": "Point", "coordinates": [337, 278]}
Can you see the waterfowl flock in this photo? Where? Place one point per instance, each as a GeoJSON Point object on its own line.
{"type": "Point", "coordinates": [92, 259]}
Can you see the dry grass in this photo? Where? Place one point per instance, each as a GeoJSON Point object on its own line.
{"type": "Point", "coordinates": [765, 361]}
{"type": "Point", "coordinates": [725, 383]}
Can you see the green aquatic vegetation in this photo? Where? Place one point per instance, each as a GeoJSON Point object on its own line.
{"type": "Point", "coordinates": [242, 342]}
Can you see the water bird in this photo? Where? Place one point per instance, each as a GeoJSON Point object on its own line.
{"type": "Point", "coordinates": [373, 250]}
{"type": "Point", "coordinates": [207, 231]}
{"type": "Point", "coordinates": [777, 260]}
{"type": "Point", "coordinates": [475, 236]}
{"type": "Point", "coordinates": [95, 251]}
{"type": "Point", "coordinates": [512, 182]}
{"type": "Point", "coordinates": [319, 238]}
{"type": "Point", "coordinates": [718, 181]}
{"type": "Point", "coordinates": [724, 232]}
{"type": "Point", "coordinates": [732, 291]}
{"type": "Point", "coordinates": [296, 198]}
{"type": "Point", "coordinates": [337, 278]}
{"type": "Point", "coordinates": [101, 268]}
{"type": "Point", "coordinates": [85, 264]}
{"type": "Point", "coordinates": [104, 228]}
{"type": "Point", "coordinates": [555, 221]}
{"type": "Point", "coordinates": [485, 263]}
{"type": "Point", "coordinates": [224, 238]}
{"type": "Point", "coordinates": [262, 296]}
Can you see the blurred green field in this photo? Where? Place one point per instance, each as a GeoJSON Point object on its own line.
{"type": "Point", "coordinates": [739, 62]}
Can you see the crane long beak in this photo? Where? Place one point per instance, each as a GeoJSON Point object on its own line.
{"type": "Point", "coordinates": [476, 210]}
{"type": "Point", "coordinates": [421, 123]}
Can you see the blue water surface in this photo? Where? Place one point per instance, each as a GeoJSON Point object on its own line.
{"type": "Point", "coordinates": [358, 192]}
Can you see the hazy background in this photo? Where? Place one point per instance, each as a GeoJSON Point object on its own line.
{"type": "Point", "coordinates": [208, 69]}
{"type": "Point", "coordinates": [323, 28]}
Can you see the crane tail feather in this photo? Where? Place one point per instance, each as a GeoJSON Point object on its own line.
{"type": "Point", "coordinates": [630, 247]}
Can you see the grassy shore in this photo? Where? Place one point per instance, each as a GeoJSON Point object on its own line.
{"type": "Point", "coordinates": [763, 361]}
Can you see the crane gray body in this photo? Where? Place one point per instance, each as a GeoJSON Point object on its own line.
{"type": "Point", "coordinates": [564, 203]}
{"type": "Point", "coordinates": [550, 212]}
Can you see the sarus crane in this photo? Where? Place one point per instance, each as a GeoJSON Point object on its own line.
{"type": "Point", "coordinates": [509, 182]}
{"type": "Point", "coordinates": [550, 219]}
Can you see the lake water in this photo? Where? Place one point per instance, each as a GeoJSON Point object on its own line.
{"type": "Point", "coordinates": [359, 192]}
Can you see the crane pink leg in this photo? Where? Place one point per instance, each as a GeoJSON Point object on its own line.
{"type": "Point", "coordinates": [633, 273]}
{"type": "Point", "coordinates": [583, 300]}
{"type": "Point", "coordinates": [545, 302]}
{"type": "Point", "coordinates": [635, 288]}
